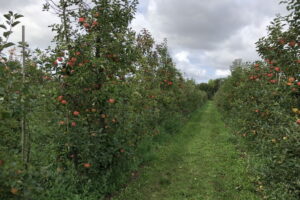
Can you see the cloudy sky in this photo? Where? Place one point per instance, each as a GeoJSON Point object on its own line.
{"type": "Point", "coordinates": [204, 37]}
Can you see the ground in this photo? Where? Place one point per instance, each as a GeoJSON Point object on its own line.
{"type": "Point", "coordinates": [201, 162]}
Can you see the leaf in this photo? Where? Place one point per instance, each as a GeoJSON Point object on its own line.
{"type": "Point", "coordinates": [17, 16]}
{"type": "Point", "coordinates": [7, 33]}
{"type": "Point", "coordinates": [8, 45]}
{"type": "Point", "coordinates": [3, 26]}
{"type": "Point", "coordinates": [15, 23]}
{"type": "Point", "coordinates": [7, 16]}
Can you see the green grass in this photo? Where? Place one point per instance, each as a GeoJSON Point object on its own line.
{"type": "Point", "coordinates": [201, 162]}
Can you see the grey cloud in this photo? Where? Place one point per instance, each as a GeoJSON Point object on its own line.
{"type": "Point", "coordinates": [197, 24]}
{"type": "Point", "coordinates": [12, 5]}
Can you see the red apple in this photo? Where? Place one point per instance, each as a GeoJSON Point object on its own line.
{"type": "Point", "coordinates": [81, 19]}
{"type": "Point", "coordinates": [111, 100]}
{"type": "Point", "coordinates": [73, 59]}
{"type": "Point", "coordinates": [75, 113]}
{"type": "Point", "coordinates": [291, 79]}
{"type": "Point", "coordinates": [60, 98]}
{"type": "Point", "coordinates": [87, 165]}
{"type": "Point", "coordinates": [64, 102]}
{"type": "Point", "coordinates": [95, 23]}
{"type": "Point", "coordinates": [86, 25]}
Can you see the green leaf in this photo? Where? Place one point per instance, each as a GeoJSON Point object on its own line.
{"type": "Point", "coordinates": [7, 16]}
{"type": "Point", "coordinates": [17, 16]}
{"type": "Point", "coordinates": [15, 23]}
{"type": "Point", "coordinates": [7, 33]}
{"type": "Point", "coordinates": [3, 26]}
{"type": "Point", "coordinates": [8, 45]}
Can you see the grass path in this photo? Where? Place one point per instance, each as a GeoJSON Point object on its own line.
{"type": "Point", "coordinates": [199, 163]}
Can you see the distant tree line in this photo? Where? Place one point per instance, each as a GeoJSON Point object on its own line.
{"type": "Point", "coordinates": [211, 87]}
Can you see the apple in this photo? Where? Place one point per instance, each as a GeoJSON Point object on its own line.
{"type": "Point", "coordinates": [292, 43]}
{"type": "Point", "coordinates": [111, 100]}
{"type": "Point", "coordinates": [81, 19]}
{"type": "Point", "coordinates": [73, 124]}
{"type": "Point", "coordinates": [295, 110]}
{"type": "Point", "coordinates": [70, 63]}
{"type": "Point", "coordinates": [95, 23]}
{"type": "Point", "coordinates": [60, 98]}
{"type": "Point", "coordinates": [64, 102]}
{"type": "Point", "coordinates": [87, 165]}
{"type": "Point", "coordinates": [86, 25]}
{"type": "Point", "coordinates": [14, 191]}
{"type": "Point", "coordinates": [298, 121]}
{"type": "Point", "coordinates": [61, 122]}
{"type": "Point", "coordinates": [122, 150]}
{"type": "Point", "coordinates": [282, 41]}
{"type": "Point", "coordinates": [73, 59]}
{"type": "Point", "coordinates": [291, 79]}
{"type": "Point", "coordinates": [75, 113]}
{"type": "Point", "coordinates": [277, 69]}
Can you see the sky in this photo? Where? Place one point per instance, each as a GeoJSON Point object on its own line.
{"type": "Point", "coordinates": [204, 37]}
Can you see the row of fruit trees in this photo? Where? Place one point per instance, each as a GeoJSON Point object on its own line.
{"type": "Point", "coordinates": [263, 101]}
{"type": "Point", "coordinates": [80, 117]}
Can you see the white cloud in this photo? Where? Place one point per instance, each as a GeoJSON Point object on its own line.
{"type": "Point", "coordinates": [222, 73]}
{"type": "Point", "coordinates": [182, 56]}
{"type": "Point", "coordinates": [140, 22]}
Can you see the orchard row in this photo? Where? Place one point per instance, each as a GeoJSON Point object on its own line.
{"type": "Point", "coordinates": [262, 102]}
{"type": "Point", "coordinates": [88, 112]}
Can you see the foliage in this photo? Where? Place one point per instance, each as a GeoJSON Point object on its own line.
{"type": "Point", "coordinates": [263, 102]}
{"type": "Point", "coordinates": [89, 104]}
{"type": "Point", "coordinates": [211, 87]}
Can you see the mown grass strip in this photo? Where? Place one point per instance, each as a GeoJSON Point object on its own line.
{"type": "Point", "coordinates": [201, 162]}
